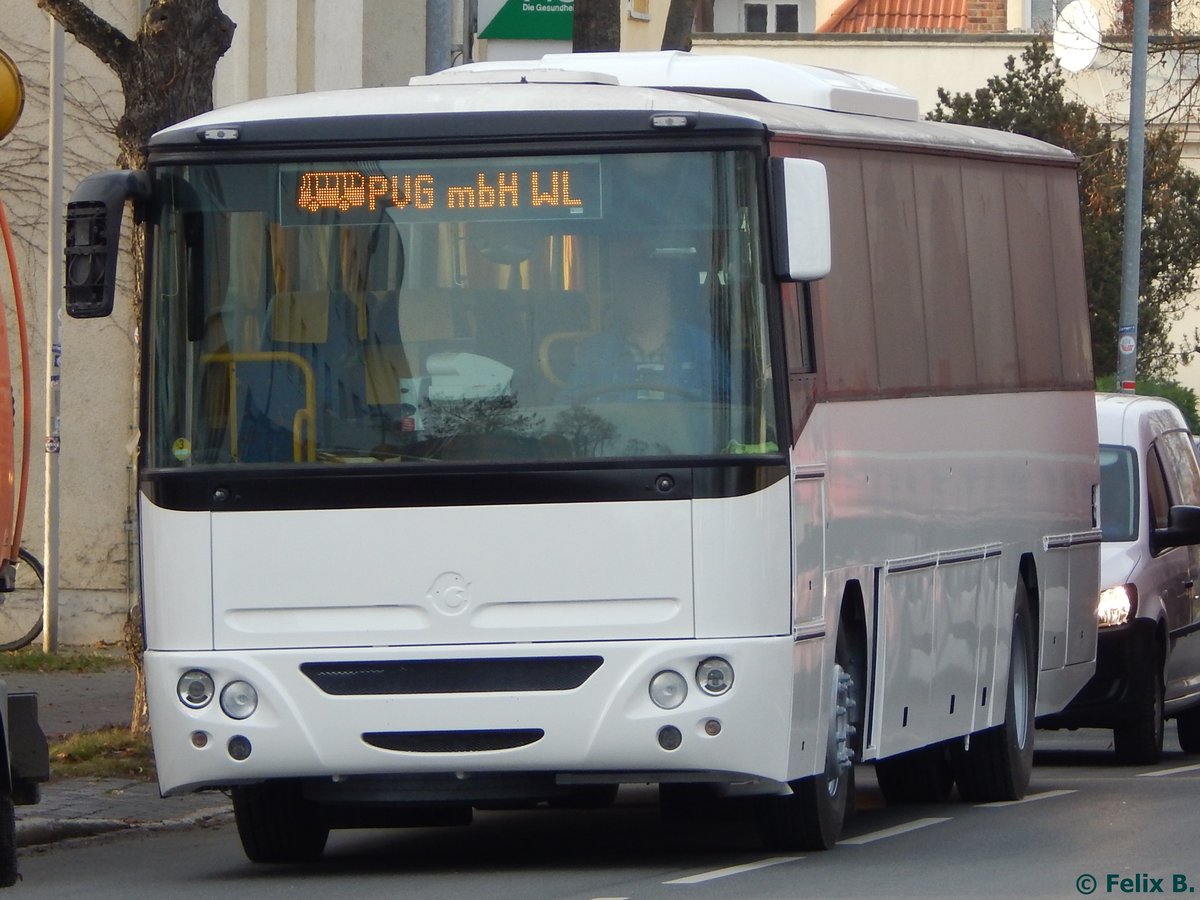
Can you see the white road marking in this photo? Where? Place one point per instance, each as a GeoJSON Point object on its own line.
{"type": "Point", "coordinates": [1175, 771]}
{"type": "Point", "coordinates": [892, 832]}
{"type": "Point", "coordinates": [733, 870]}
{"type": "Point", "coordinates": [1032, 798]}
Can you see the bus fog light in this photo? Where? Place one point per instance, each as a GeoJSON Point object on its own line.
{"type": "Point", "coordinates": [199, 740]}
{"type": "Point", "coordinates": [668, 689]}
{"type": "Point", "coordinates": [715, 676]}
{"type": "Point", "coordinates": [239, 747]}
{"type": "Point", "coordinates": [712, 727]}
{"type": "Point", "coordinates": [239, 699]}
{"type": "Point", "coordinates": [196, 689]}
{"type": "Point", "coordinates": [669, 737]}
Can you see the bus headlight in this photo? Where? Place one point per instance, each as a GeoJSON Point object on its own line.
{"type": "Point", "coordinates": [1117, 604]}
{"type": "Point", "coordinates": [715, 676]}
{"type": "Point", "coordinates": [239, 699]}
{"type": "Point", "coordinates": [195, 689]}
{"type": "Point", "coordinates": [668, 689]}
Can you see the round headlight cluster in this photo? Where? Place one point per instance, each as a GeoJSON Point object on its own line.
{"type": "Point", "coordinates": [196, 689]}
{"type": "Point", "coordinates": [239, 700]}
{"type": "Point", "coordinates": [714, 677]}
{"type": "Point", "coordinates": [668, 689]}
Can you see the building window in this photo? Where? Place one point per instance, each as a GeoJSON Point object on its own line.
{"type": "Point", "coordinates": [768, 16]}
{"type": "Point", "coordinates": [1160, 15]}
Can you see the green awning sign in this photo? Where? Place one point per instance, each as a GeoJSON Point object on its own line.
{"type": "Point", "coordinates": [531, 20]}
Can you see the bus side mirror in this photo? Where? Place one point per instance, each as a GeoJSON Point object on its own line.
{"type": "Point", "coordinates": [94, 236]}
{"type": "Point", "coordinates": [800, 219]}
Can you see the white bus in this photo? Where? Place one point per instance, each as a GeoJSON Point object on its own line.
{"type": "Point", "coordinates": [540, 428]}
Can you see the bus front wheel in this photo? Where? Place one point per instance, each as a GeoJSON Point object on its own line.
{"type": "Point", "coordinates": [812, 815]}
{"type": "Point", "coordinates": [276, 824]}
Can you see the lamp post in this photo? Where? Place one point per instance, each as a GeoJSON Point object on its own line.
{"type": "Point", "coordinates": [1131, 256]}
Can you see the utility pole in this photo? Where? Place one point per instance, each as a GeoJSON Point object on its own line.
{"type": "Point", "coordinates": [54, 298]}
{"type": "Point", "coordinates": [1131, 257]}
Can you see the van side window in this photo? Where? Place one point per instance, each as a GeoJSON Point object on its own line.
{"type": "Point", "coordinates": [1180, 460]}
{"type": "Point", "coordinates": [1156, 489]}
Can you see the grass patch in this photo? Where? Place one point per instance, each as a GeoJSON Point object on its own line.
{"type": "Point", "coordinates": [107, 753]}
{"type": "Point", "coordinates": [98, 659]}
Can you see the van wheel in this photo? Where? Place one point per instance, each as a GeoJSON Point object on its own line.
{"type": "Point", "coordinates": [276, 824]}
{"type": "Point", "coordinates": [1139, 740]}
{"type": "Point", "coordinates": [919, 776]}
{"type": "Point", "coordinates": [812, 816]}
{"type": "Point", "coordinates": [1188, 724]}
{"type": "Point", "coordinates": [999, 761]}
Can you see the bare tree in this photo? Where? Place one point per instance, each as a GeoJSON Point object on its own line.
{"type": "Point", "coordinates": [596, 26]}
{"type": "Point", "coordinates": [677, 35]}
{"type": "Point", "coordinates": [166, 74]}
{"type": "Point", "coordinates": [166, 70]}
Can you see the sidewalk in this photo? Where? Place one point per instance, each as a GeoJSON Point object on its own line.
{"type": "Point", "coordinates": [79, 807]}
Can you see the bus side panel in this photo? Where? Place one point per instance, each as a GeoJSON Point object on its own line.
{"type": "Point", "coordinates": [742, 569]}
{"type": "Point", "coordinates": [176, 577]}
{"type": "Point", "coordinates": [945, 495]}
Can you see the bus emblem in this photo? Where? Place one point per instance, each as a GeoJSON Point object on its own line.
{"type": "Point", "coordinates": [448, 594]}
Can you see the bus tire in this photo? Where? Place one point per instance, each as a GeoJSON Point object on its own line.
{"type": "Point", "coordinates": [8, 842]}
{"type": "Point", "coordinates": [276, 824]}
{"type": "Point", "coordinates": [812, 815]}
{"type": "Point", "coordinates": [998, 762]}
{"type": "Point", "coordinates": [919, 776]}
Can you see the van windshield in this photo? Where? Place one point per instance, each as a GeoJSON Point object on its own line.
{"type": "Point", "coordinates": [1118, 493]}
{"type": "Point", "coordinates": [408, 311]}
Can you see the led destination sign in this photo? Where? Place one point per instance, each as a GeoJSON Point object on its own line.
{"type": "Point", "coordinates": [443, 191]}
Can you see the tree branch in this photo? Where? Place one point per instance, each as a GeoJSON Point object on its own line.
{"type": "Point", "coordinates": [111, 46]}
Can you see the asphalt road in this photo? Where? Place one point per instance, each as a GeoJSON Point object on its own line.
{"type": "Point", "coordinates": [1086, 824]}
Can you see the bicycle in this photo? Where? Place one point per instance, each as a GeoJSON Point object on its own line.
{"type": "Point", "coordinates": [21, 608]}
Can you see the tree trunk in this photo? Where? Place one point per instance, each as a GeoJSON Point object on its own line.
{"type": "Point", "coordinates": [677, 35]}
{"type": "Point", "coordinates": [166, 73]}
{"type": "Point", "coordinates": [596, 26]}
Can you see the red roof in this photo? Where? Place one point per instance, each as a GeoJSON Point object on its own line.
{"type": "Point", "coordinates": [862, 16]}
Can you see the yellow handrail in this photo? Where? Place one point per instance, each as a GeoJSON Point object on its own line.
{"type": "Point", "coordinates": [304, 438]}
{"type": "Point", "coordinates": [544, 361]}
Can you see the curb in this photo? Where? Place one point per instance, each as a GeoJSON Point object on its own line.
{"type": "Point", "coordinates": [37, 830]}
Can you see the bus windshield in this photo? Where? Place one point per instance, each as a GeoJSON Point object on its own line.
{"type": "Point", "coordinates": [491, 309]}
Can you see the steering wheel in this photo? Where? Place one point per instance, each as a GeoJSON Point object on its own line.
{"type": "Point", "coordinates": [593, 393]}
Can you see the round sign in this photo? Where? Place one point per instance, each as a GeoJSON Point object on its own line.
{"type": "Point", "coordinates": [12, 94]}
{"type": "Point", "coordinates": [1127, 344]}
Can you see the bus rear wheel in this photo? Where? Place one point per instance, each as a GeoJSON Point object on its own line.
{"type": "Point", "coordinates": [812, 815]}
{"type": "Point", "coordinates": [925, 775]}
{"type": "Point", "coordinates": [276, 824]}
{"type": "Point", "coordinates": [997, 763]}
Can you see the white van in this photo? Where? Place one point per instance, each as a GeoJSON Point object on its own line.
{"type": "Point", "coordinates": [1148, 658]}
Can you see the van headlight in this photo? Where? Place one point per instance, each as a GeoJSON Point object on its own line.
{"type": "Point", "coordinates": [1116, 606]}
